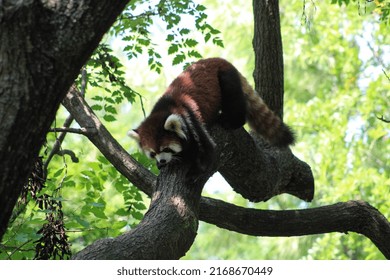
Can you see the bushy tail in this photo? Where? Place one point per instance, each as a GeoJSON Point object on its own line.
{"type": "Point", "coordinates": [264, 121]}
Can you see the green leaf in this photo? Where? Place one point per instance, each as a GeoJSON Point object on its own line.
{"type": "Point", "coordinates": [98, 212]}
{"type": "Point", "coordinates": [82, 222]}
{"type": "Point", "coordinates": [110, 109]}
{"type": "Point", "coordinates": [218, 42]}
{"type": "Point", "coordinates": [58, 173]}
{"type": "Point", "coordinates": [173, 48]}
{"type": "Point", "coordinates": [137, 215]}
{"type": "Point", "coordinates": [97, 98]}
{"type": "Point", "coordinates": [178, 59]}
{"type": "Point", "coordinates": [207, 37]}
{"type": "Point", "coordinates": [139, 206]}
{"type": "Point", "coordinates": [122, 212]}
{"type": "Point", "coordinates": [119, 224]}
{"type": "Point", "coordinates": [194, 53]}
{"type": "Point", "coordinates": [96, 107]}
{"type": "Point", "coordinates": [109, 118]}
{"type": "Point", "coordinates": [190, 43]}
{"type": "Point", "coordinates": [200, 8]}
{"type": "Point", "coordinates": [184, 31]}
{"type": "Point", "coordinates": [170, 38]}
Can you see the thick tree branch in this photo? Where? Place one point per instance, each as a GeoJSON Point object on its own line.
{"type": "Point", "coordinates": [277, 170]}
{"type": "Point", "coordinates": [351, 216]}
{"type": "Point", "coordinates": [167, 230]}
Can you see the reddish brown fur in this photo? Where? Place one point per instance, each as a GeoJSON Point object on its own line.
{"type": "Point", "coordinates": [199, 89]}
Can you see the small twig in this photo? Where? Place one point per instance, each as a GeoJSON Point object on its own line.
{"type": "Point", "coordinates": [82, 130]}
{"type": "Point", "coordinates": [383, 119]}
{"type": "Point", "coordinates": [387, 76]}
{"type": "Point", "coordinates": [63, 130]}
{"type": "Point", "coordinates": [69, 153]}
{"type": "Point", "coordinates": [57, 144]}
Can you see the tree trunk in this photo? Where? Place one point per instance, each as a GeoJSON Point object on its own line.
{"type": "Point", "coordinates": [43, 46]}
{"type": "Point", "coordinates": [168, 228]}
{"type": "Point", "coordinates": [267, 44]}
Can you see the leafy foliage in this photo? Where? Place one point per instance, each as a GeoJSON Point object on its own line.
{"type": "Point", "coordinates": [105, 72]}
{"type": "Point", "coordinates": [142, 19]}
{"type": "Point", "coordinates": [379, 7]}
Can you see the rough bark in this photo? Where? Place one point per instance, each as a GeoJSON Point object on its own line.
{"type": "Point", "coordinates": [267, 44]}
{"type": "Point", "coordinates": [272, 170]}
{"type": "Point", "coordinates": [167, 230]}
{"type": "Point", "coordinates": [351, 216]}
{"type": "Point", "coordinates": [43, 45]}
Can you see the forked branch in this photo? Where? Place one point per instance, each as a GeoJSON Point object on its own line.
{"type": "Point", "coordinates": [168, 216]}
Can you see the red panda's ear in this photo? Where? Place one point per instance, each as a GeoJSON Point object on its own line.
{"type": "Point", "coordinates": [175, 124]}
{"type": "Point", "coordinates": [133, 134]}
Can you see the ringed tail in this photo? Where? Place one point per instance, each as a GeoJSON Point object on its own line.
{"type": "Point", "coordinates": [263, 120]}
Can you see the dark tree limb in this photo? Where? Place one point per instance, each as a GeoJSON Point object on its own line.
{"type": "Point", "coordinates": [167, 230]}
{"type": "Point", "coordinates": [83, 130]}
{"type": "Point", "coordinates": [57, 144]}
{"type": "Point", "coordinates": [272, 170]}
{"type": "Point", "coordinates": [351, 216]}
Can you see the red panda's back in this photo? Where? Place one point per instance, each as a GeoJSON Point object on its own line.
{"type": "Point", "coordinates": [198, 88]}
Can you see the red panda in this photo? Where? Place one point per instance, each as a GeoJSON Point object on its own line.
{"type": "Point", "coordinates": [209, 91]}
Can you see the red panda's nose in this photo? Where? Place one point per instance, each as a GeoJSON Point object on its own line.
{"type": "Point", "coordinates": [161, 163]}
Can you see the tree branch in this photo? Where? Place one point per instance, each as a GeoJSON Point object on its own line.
{"type": "Point", "coordinates": [383, 119]}
{"type": "Point", "coordinates": [57, 144]}
{"type": "Point", "coordinates": [343, 217]}
{"type": "Point", "coordinates": [82, 131]}
{"type": "Point", "coordinates": [354, 216]}
{"type": "Point", "coordinates": [167, 230]}
{"type": "Point", "coordinates": [277, 170]}
{"type": "Point", "coordinates": [109, 147]}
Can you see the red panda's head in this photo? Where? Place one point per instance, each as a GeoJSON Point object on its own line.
{"type": "Point", "coordinates": [161, 136]}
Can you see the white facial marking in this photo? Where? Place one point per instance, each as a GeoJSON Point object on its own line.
{"type": "Point", "coordinates": [167, 152]}
{"type": "Point", "coordinates": [164, 157]}
{"type": "Point", "coordinates": [174, 123]}
{"type": "Point", "coordinates": [133, 134]}
{"type": "Point", "coordinates": [175, 147]}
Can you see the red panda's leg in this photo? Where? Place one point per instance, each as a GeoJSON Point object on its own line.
{"type": "Point", "coordinates": [233, 103]}
{"type": "Point", "coordinates": [201, 146]}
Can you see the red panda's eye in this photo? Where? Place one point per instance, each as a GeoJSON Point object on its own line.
{"type": "Point", "coordinates": [168, 150]}
{"type": "Point", "coordinates": [152, 154]}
